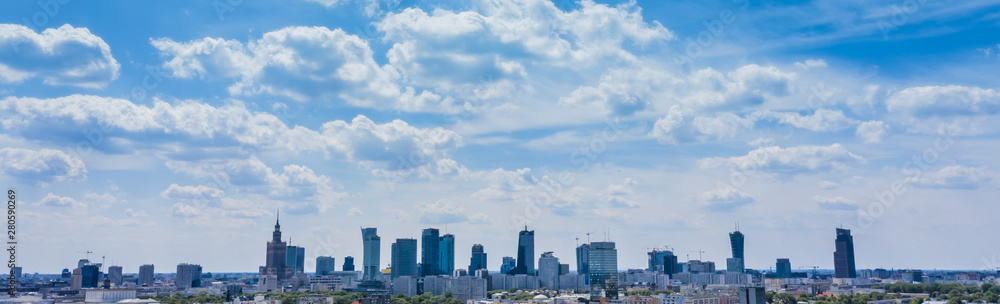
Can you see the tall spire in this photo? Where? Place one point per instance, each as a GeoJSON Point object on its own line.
{"type": "Point", "coordinates": [277, 219]}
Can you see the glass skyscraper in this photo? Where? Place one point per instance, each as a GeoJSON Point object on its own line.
{"type": "Point", "coordinates": [670, 265]}
{"type": "Point", "coordinates": [430, 252]}
{"type": "Point", "coordinates": [371, 242]}
{"type": "Point", "coordinates": [525, 253]}
{"type": "Point", "coordinates": [843, 257]}
{"type": "Point", "coordinates": [146, 275]}
{"type": "Point", "coordinates": [348, 263]}
{"type": "Point", "coordinates": [91, 274]}
{"type": "Point", "coordinates": [325, 265]}
{"type": "Point", "coordinates": [508, 264]}
{"type": "Point", "coordinates": [655, 260]}
{"type": "Point", "coordinates": [447, 254]}
{"type": "Point", "coordinates": [783, 268]}
{"type": "Point", "coordinates": [603, 267]}
{"type": "Point", "coordinates": [478, 260]}
{"type": "Point", "coordinates": [736, 264]}
{"type": "Point", "coordinates": [404, 258]}
{"type": "Point", "coordinates": [582, 258]}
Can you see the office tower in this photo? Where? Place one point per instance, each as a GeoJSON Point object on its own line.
{"type": "Point", "coordinates": [66, 274]}
{"type": "Point", "coordinates": [76, 279]}
{"type": "Point", "coordinates": [508, 264]}
{"type": "Point", "coordinates": [82, 262]}
{"type": "Point", "coordinates": [348, 263]}
{"type": "Point", "coordinates": [372, 244]}
{"type": "Point", "coordinates": [655, 260]}
{"type": "Point", "coordinates": [447, 254]}
{"type": "Point", "coordinates": [843, 257]}
{"type": "Point", "coordinates": [478, 260]}
{"type": "Point", "coordinates": [188, 276]}
{"type": "Point", "coordinates": [525, 253]}
{"type": "Point", "coordinates": [563, 269]}
{"type": "Point", "coordinates": [115, 275]}
{"type": "Point", "coordinates": [404, 258]}
{"type": "Point", "coordinates": [300, 260]}
{"type": "Point", "coordinates": [880, 273]}
{"type": "Point", "coordinates": [582, 258]}
{"type": "Point", "coordinates": [292, 257]}
{"type": "Point", "coordinates": [325, 265]}
{"type": "Point", "coordinates": [277, 257]}
{"type": "Point", "coordinates": [430, 253]}
{"type": "Point", "coordinates": [603, 268]}
{"type": "Point", "coordinates": [696, 266]}
{"type": "Point", "coordinates": [734, 265]}
{"type": "Point", "coordinates": [752, 295]}
{"type": "Point", "coordinates": [670, 265]}
{"type": "Point", "coordinates": [736, 242]}
{"type": "Point", "coordinates": [146, 275]}
{"type": "Point", "coordinates": [783, 268]}
{"type": "Point", "coordinates": [548, 271]}
{"type": "Point", "coordinates": [90, 276]}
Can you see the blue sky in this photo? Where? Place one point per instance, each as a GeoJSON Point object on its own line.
{"type": "Point", "coordinates": [172, 132]}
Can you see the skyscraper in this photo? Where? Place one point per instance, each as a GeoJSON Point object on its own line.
{"type": "Point", "coordinates": [372, 244]}
{"type": "Point", "coordinates": [447, 254]}
{"type": "Point", "coordinates": [404, 258]}
{"type": "Point", "coordinates": [90, 276]}
{"type": "Point", "coordinates": [736, 242]}
{"type": "Point", "coordinates": [603, 269]}
{"type": "Point", "coordinates": [348, 263]}
{"type": "Point", "coordinates": [508, 264]}
{"type": "Point", "coordinates": [430, 253]}
{"type": "Point", "coordinates": [670, 265]}
{"type": "Point", "coordinates": [277, 257]}
{"type": "Point", "coordinates": [843, 257]}
{"type": "Point", "coordinates": [300, 259]}
{"type": "Point", "coordinates": [292, 257]}
{"type": "Point", "coordinates": [548, 270]}
{"type": "Point", "coordinates": [783, 268]}
{"type": "Point", "coordinates": [188, 276]}
{"type": "Point", "coordinates": [582, 258]}
{"type": "Point", "coordinates": [655, 260]}
{"type": "Point", "coordinates": [478, 260]}
{"type": "Point", "coordinates": [115, 275]}
{"type": "Point", "coordinates": [525, 253]}
{"type": "Point", "coordinates": [325, 265]}
{"type": "Point", "coordinates": [146, 275]}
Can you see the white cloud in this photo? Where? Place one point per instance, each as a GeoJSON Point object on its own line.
{"type": "Point", "coordinates": [354, 211]}
{"type": "Point", "coordinates": [944, 101]}
{"type": "Point", "coordinates": [873, 131]}
{"type": "Point", "coordinates": [953, 177]}
{"type": "Point", "coordinates": [59, 56]}
{"type": "Point", "coordinates": [191, 192]}
{"type": "Point", "coordinates": [53, 200]}
{"type": "Point", "coordinates": [811, 64]}
{"type": "Point", "coordinates": [835, 203]}
{"type": "Point", "coordinates": [623, 92]}
{"type": "Point", "coordinates": [726, 199]}
{"type": "Point", "coordinates": [440, 212]}
{"type": "Point", "coordinates": [360, 140]}
{"type": "Point", "coordinates": [822, 120]}
{"type": "Point", "coordinates": [664, 128]}
{"type": "Point", "coordinates": [794, 160]}
{"type": "Point", "coordinates": [724, 125]}
{"type": "Point", "coordinates": [41, 166]}
{"type": "Point", "coordinates": [301, 63]}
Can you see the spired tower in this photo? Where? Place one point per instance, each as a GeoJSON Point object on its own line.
{"type": "Point", "coordinates": [276, 255]}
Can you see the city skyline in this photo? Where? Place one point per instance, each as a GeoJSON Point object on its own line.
{"type": "Point", "coordinates": [173, 132]}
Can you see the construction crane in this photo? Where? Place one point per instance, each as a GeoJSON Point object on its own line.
{"type": "Point", "coordinates": [699, 254]}
{"type": "Point", "coordinates": [88, 253]}
{"type": "Point", "coordinates": [814, 268]}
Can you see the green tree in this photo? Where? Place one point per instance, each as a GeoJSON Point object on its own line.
{"type": "Point", "coordinates": [784, 298]}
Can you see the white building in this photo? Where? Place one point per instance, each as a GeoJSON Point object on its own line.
{"type": "Point", "coordinates": [108, 295]}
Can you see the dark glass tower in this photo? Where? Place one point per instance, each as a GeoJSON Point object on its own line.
{"type": "Point", "coordinates": [430, 252]}
{"type": "Point", "coordinates": [525, 253]}
{"type": "Point", "coordinates": [670, 266]}
{"type": "Point", "coordinates": [478, 260]}
{"type": "Point", "coordinates": [348, 263]}
{"type": "Point", "coordinates": [603, 270]}
{"type": "Point", "coordinates": [508, 264]}
{"type": "Point", "coordinates": [447, 254]}
{"type": "Point", "coordinates": [325, 265]}
{"type": "Point", "coordinates": [843, 257]}
{"type": "Point", "coordinates": [582, 258]}
{"type": "Point", "coordinates": [736, 242]}
{"type": "Point", "coordinates": [146, 275]}
{"type": "Point", "coordinates": [783, 268]}
{"type": "Point", "coordinates": [404, 258]}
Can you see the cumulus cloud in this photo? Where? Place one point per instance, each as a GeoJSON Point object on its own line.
{"type": "Point", "coordinates": [41, 166]}
{"type": "Point", "coordinates": [191, 192]}
{"type": "Point", "coordinates": [962, 110]}
{"type": "Point", "coordinates": [726, 199]}
{"type": "Point", "coordinates": [622, 92]}
{"type": "Point", "coordinates": [822, 120]}
{"type": "Point", "coordinates": [301, 63]}
{"type": "Point", "coordinates": [811, 64]}
{"type": "Point", "coordinates": [794, 160]}
{"type": "Point", "coordinates": [953, 177]}
{"type": "Point", "coordinates": [395, 144]}
{"type": "Point", "coordinates": [440, 212]}
{"type": "Point", "coordinates": [53, 200]}
{"type": "Point", "coordinates": [744, 87]}
{"type": "Point", "coordinates": [664, 128]}
{"type": "Point", "coordinates": [835, 203]}
{"type": "Point", "coordinates": [59, 56]}
{"type": "Point", "coordinates": [873, 131]}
